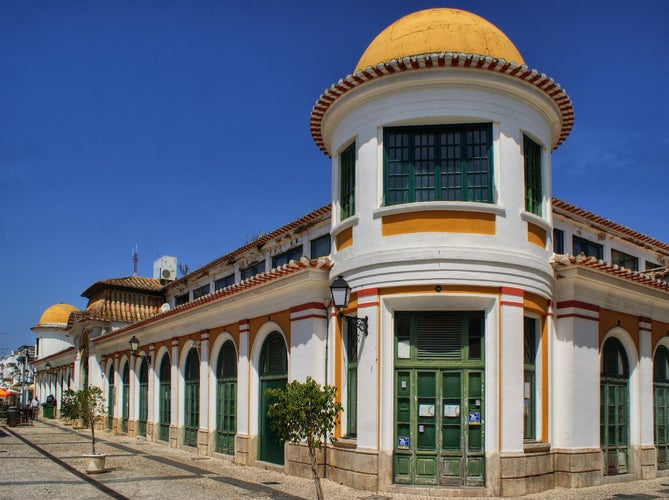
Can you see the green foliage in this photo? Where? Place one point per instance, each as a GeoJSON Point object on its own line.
{"type": "Point", "coordinates": [69, 405]}
{"type": "Point", "coordinates": [89, 405]}
{"type": "Point", "coordinates": [305, 412]}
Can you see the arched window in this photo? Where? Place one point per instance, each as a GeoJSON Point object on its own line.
{"type": "Point", "coordinates": [226, 399]}
{"type": "Point", "coordinates": [111, 377]}
{"type": "Point", "coordinates": [143, 397]}
{"type": "Point", "coordinates": [661, 405]}
{"type": "Point", "coordinates": [165, 390]}
{"type": "Point", "coordinates": [614, 412]}
{"type": "Point", "coordinates": [125, 398]}
{"type": "Point", "coordinates": [192, 398]}
{"type": "Point", "coordinates": [273, 374]}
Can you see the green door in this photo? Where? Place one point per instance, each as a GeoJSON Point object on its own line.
{"type": "Point", "coordinates": [273, 375]}
{"type": "Point", "coordinates": [661, 406]}
{"type": "Point", "coordinates": [226, 399]}
{"type": "Point", "coordinates": [143, 397]}
{"type": "Point", "coordinates": [192, 398]}
{"type": "Point", "coordinates": [110, 399]}
{"type": "Point", "coordinates": [614, 408]}
{"type": "Point", "coordinates": [439, 399]}
{"type": "Point", "coordinates": [125, 398]}
{"type": "Point", "coordinates": [164, 400]}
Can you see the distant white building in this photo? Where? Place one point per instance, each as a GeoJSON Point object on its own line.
{"type": "Point", "coordinates": [496, 339]}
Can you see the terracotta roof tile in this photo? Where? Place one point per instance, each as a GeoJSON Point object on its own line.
{"type": "Point", "coordinates": [127, 283]}
{"type": "Point", "coordinates": [253, 282]}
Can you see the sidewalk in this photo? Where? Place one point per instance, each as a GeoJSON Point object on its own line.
{"type": "Point", "coordinates": [138, 469]}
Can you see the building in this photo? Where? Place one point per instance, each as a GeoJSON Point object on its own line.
{"type": "Point", "coordinates": [497, 342]}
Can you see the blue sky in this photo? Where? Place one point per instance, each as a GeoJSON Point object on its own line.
{"type": "Point", "coordinates": [183, 126]}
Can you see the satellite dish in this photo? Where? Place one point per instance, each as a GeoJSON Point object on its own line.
{"type": "Point", "coordinates": [165, 307]}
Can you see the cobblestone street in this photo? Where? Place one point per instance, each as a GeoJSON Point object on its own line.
{"type": "Point", "coordinates": [44, 461]}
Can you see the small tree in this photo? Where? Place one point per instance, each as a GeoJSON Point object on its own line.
{"type": "Point", "coordinates": [91, 404]}
{"type": "Point", "coordinates": [305, 412]}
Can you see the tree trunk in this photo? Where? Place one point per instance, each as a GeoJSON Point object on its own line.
{"type": "Point", "coordinates": [314, 471]}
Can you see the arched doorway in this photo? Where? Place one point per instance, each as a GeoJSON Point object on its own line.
{"type": "Point", "coordinates": [661, 406]}
{"type": "Point", "coordinates": [274, 375]}
{"type": "Point", "coordinates": [614, 411]}
{"type": "Point", "coordinates": [143, 397]}
{"type": "Point", "coordinates": [165, 390]}
{"type": "Point", "coordinates": [111, 377]}
{"type": "Point", "coordinates": [125, 398]}
{"type": "Point", "coordinates": [226, 399]}
{"type": "Point", "coordinates": [192, 398]}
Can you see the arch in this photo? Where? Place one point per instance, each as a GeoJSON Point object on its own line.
{"type": "Point", "coordinates": [226, 398]}
{"type": "Point", "coordinates": [164, 394]}
{"type": "Point", "coordinates": [191, 396]}
{"type": "Point", "coordinates": [619, 401]}
{"type": "Point", "coordinates": [263, 332]}
{"type": "Point", "coordinates": [273, 374]}
{"type": "Point", "coordinates": [83, 360]}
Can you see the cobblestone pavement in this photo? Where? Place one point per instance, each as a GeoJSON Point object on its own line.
{"type": "Point", "coordinates": [44, 461]}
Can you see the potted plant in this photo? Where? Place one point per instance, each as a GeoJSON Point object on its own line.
{"type": "Point", "coordinates": [91, 405]}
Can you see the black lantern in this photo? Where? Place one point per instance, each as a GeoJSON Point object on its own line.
{"type": "Point", "coordinates": [341, 293]}
{"type": "Point", "coordinates": [134, 346]}
{"type": "Point", "coordinates": [47, 366]}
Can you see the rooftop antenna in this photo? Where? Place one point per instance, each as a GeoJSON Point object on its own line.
{"type": "Point", "coordinates": [135, 258]}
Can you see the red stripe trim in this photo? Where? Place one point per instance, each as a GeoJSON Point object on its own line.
{"type": "Point", "coordinates": [507, 290]}
{"type": "Point", "coordinates": [308, 305]}
{"type": "Point", "coordinates": [368, 304]}
{"type": "Point", "coordinates": [574, 315]}
{"type": "Point", "coordinates": [366, 292]}
{"type": "Point", "coordinates": [577, 304]}
{"type": "Point", "coordinates": [319, 316]}
{"type": "Point", "coordinates": [509, 303]}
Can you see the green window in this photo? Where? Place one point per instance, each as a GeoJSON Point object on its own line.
{"type": "Point", "coordinates": [533, 195]}
{"type": "Point", "coordinates": [558, 241]}
{"type": "Point", "coordinates": [441, 163]}
{"type": "Point", "coordinates": [224, 282]}
{"type": "Point", "coordinates": [529, 386]}
{"type": "Point", "coordinates": [347, 185]}
{"type": "Point", "coordinates": [614, 407]}
{"type": "Point", "coordinates": [201, 291]}
{"type": "Point", "coordinates": [320, 247]}
{"type": "Point", "coordinates": [181, 299]}
{"type": "Point", "coordinates": [351, 378]}
{"type": "Point", "coordinates": [624, 260]}
{"type": "Point", "coordinates": [143, 397]}
{"type": "Point", "coordinates": [587, 248]}
{"type": "Point", "coordinates": [661, 406]}
{"type": "Point", "coordinates": [226, 399]}
{"type": "Point", "coordinates": [110, 398]}
{"type": "Point", "coordinates": [192, 398]}
{"type": "Point", "coordinates": [287, 256]}
{"type": "Point", "coordinates": [652, 265]}
{"type": "Point", "coordinates": [253, 270]}
{"type": "Point", "coordinates": [125, 400]}
{"type": "Point", "coordinates": [165, 394]}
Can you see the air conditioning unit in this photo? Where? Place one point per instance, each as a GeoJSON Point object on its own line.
{"type": "Point", "coordinates": [165, 269]}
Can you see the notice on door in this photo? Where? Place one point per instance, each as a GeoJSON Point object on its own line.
{"type": "Point", "coordinates": [451, 410]}
{"type": "Point", "coordinates": [474, 417]}
{"type": "Point", "coordinates": [426, 410]}
{"type": "Point", "coordinates": [403, 442]}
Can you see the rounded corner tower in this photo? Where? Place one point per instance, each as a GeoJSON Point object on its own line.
{"type": "Point", "coordinates": [441, 223]}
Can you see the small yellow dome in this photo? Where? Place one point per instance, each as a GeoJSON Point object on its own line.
{"type": "Point", "coordinates": [439, 30]}
{"type": "Point", "coordinates": [57, 313]}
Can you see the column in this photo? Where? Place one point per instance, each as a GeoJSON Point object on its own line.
{"type": "Point", "coordinates": [203, 431]}
{"type": "Point", "coordinates": [244, 449]}
{"type": "Point", "coordinates": [647, 454]}
{"type": "Point", "coordinates": [174, 396]}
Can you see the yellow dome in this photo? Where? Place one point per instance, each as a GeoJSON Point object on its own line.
{"type": "Point", "coordinates": [57, 313]}
{"type": "Point", "coordinates": [439, 30]}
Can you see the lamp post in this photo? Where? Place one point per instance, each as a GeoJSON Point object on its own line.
{"type": "Point", "coordinates": [341, 294]}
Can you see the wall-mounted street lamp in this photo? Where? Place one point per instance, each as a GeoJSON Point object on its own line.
{"type": "Point", "coordinates": [134, 346]}
{"type": "Point", "coordinates": [341, 293]}
{"type": "Point", "coordinates": [47, 366]}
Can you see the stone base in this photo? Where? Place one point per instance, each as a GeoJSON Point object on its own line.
{"type": "Point", "coordinates": [174, 436]}
{"type": "Point", "coordinates": [203, 437]}
{"type": "Point", "coordinates": [354, 467]}
{"type": "Point", "coordinates": [149, 431]}
{"type": "Point", "coordinates": [526, 473]}
{"type": "Point", "coordinates": [132, 427]}
{"type": "Point", "coordinates": [246, 449]}
{"type": "Point", "coordinates": [577, 468]}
